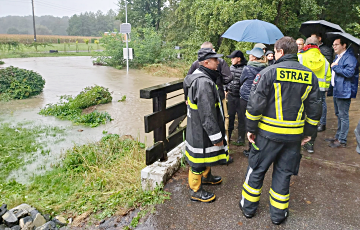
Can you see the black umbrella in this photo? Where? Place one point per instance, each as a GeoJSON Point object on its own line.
{"type": "Point", "coordinates": [350, 40]}
{"type": "Point", "coordinates": [319, 27]}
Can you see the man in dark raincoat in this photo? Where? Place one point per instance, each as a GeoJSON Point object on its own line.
{"type": "Point", "coordinates": [205, 133]}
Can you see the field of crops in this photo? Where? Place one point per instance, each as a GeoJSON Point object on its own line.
{"type": "Point", "coordinates": [28, 38]}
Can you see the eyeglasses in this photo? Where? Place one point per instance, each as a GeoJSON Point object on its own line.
{"type": "Point", "coordinates": [335, 45]}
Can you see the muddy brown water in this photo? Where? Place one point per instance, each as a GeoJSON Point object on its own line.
{"type": "Point", "coordinates": [68, 76]}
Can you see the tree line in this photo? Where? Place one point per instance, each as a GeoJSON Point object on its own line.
{"type": "Point", "coordinates": [188, 23]}
{"type": "Point", "coordinates": [84, 24]}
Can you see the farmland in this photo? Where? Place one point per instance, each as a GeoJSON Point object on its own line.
{"type": "Point", "coordinates": [29, 38]}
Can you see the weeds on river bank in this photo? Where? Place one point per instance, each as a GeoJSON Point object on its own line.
{"type": "Point", "coordinates": [19, 143]}
{"type": "Point", "coordinates": [71, 108]}
{"type": "Point", "coordinates": [102, 178]}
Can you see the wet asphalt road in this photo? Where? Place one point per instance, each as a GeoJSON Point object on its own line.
{"type": "Point", "coordinates": [325, 194]}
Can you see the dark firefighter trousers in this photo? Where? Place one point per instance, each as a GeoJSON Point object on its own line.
{"type": "Point", "coordinates": [285, 157]}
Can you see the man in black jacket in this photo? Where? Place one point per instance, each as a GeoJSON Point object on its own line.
{"type": "Point", "coordinates": [282, 113]}
{"type": "Point", "coordinates": [327, 51]}
{"type": "Point", "coordinates": [233, 86]}
{"type": "Point", "coordinates": [225, 72]}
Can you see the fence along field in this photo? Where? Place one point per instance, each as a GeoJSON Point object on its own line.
{"type": "Point", "coordinates": [28, 38]}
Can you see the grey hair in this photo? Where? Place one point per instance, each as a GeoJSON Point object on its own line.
{"type": "Point", "coordinates": [207, 45]}
{"type": "Point", "coordinates": [312, 40]}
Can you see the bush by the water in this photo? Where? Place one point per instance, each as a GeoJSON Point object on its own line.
{"type": "Point", "coordinates": [71, 108]}
{"type": "Point", "coordinates": [16, 83]}
{"type": "Point", "coordinates": [2, 62]}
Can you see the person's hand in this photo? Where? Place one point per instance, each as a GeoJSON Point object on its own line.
{"type": "Point", "coordinates": [333, 64]}
{"type": "Point", "coordinates": [251, 137]}
{"type": "Point", "coordinates": [186, 102]}
{"type": "Point", "coordinates": [221, 143]}
{"type": "Point", "coordinates": [305, 140]}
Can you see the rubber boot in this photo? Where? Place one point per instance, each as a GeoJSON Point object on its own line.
{"type": "Point", "coordinates": [208, 178]}
{"type": "Point", "coordinates": [197, 193]}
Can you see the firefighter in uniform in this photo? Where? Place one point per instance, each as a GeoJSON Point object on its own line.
{"type": "Point", "coordinates": [205, 132]}
{"type": "Point", "coordinates": [283, 111]}
{"type": "Point", "coordinates": [312, 58]}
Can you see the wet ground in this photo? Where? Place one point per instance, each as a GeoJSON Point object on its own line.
{"type": "Point", "coordinates": [325, 194]}
{"type": "Point", "coordinates": [68, 76]}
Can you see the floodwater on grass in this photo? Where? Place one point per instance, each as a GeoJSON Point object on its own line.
{"type": "Point", "coordinates": [69, 76]}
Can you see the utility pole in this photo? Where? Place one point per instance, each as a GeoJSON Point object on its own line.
{"type": "Point", "coordinates": [32, 2]}
{"type": "Point", "coordinates": [127, 46]}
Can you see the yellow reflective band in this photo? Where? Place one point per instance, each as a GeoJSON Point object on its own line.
{"type": "Point", "coordinates": [193, 106]}
{"type": "Point", "coordinates": [217, 87]}
{"type": "Point", "coordinates": [279, 130]}
{"type": "Point", "coordinates": [273, 121]}
{"type": "Point", "coordinates": [279, 196]}
{"type": "Point", "coordinates": [294, 75]}
{"type": "Point", "coordinates": [279, 205]}
{"type": "Point", "coordinates": [251, 190]}
{"type": "Point", "coordinates": [303, 98]}
{"type": "Point", "coordinates": [251, 117]}
{"type": "Point", "coordinates": [217, 104]}
{"type": "Point", "coordinates": [207, 159]}
{"type": "Point", "coordinates": [312, 122]}
{"type": "Point", "coordinates": [250, 198]}
{"type": "Point", "coordinates": [278, 101]}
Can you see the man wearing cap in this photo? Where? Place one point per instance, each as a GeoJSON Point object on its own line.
{"type": "Point", "coordinates": [238, 62]}
{"type": "Point", "coordinates": [206, 145]}
{"type": "Point", "coordinates": [256, 63]}
{"type": "Point", "coordinates": [225, 72]}
{"type": "Point", "coordinates": [282, 113]}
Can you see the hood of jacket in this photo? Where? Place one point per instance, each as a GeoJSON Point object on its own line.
{"type": "Point", "coordinates": [192, 77]}
{"type": "Point", "coordinates": [256, 67]}
{"type": "Point", "coordinates": [315, 60]}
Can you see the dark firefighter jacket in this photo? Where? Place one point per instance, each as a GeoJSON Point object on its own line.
{"type": "Point", "coordinates": [205, 122]}
{"type": "Point", "coordinates": [284, 103]}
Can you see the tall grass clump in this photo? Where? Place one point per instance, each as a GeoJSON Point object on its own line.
{"type": "Point", "coordinates": [71, 108]}
{"type": "Point", "coordinates": [16, 83]}
{"type": "Point", "coordinates": [102, 178]}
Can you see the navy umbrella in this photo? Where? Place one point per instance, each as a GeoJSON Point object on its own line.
{"type": "Point", "coordinates": [350, 40]}
{"type": "Point", "coordinates": [318, 27]}
{"type": "Point", "coordinates": [253, 31]}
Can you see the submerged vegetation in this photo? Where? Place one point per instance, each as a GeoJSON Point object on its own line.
{"type": "Point", "coordinates": [16, 83]}
{"type": "Point", "coordinates": [71, 108]}
{"type": "Point", "coordinates": [102, 178]}
{"type": "Point", "coordinates": [20, 143]}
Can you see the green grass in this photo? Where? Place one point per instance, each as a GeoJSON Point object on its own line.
{"type": "Point", "coordinates": [18, 144]}
{"type": "Point", "coordinates": [71, 108]}
{"type": "Point", "coordinates": [102, 178]}
{"type": "Point", "coordinates": [68, 50]}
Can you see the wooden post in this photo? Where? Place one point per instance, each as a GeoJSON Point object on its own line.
{"type": "Point", "coordinates": [159, 104]}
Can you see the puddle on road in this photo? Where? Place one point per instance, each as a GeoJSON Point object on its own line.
{"type": "Point", "coordinates": [68, 76]}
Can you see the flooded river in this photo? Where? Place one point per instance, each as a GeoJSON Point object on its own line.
{"type": "Point", "coordinates": [70, 75]}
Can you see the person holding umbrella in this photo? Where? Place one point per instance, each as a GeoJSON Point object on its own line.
{"type": "Point", "coordinates": [325, 50]}
{"type": "Point", "coordinates": [344, 79]}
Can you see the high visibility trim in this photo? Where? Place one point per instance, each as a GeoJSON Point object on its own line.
{"type": "Point", "coordinates": [279, 196]}
{"type": "Point", "coordinates": [303, 98]}
{"type": "Point", "coordinates": [273, 121]}
{"type": "Point", "coordinates": [326, 66]}
{"type": "Point", "coordinates": [252, 190]}
{"type": "Point", "coordinates": [300, 58]}
{"type": "Point", "coordinates": [217, 87]}
{"type": "Point", "coordinates": [252, 117]}
{"type": "Point", "coordinates": [207, 150]}
{"type": "Point", "coordinates": [217, 104]}
{"type": "Point", "coordinates": [192, 106]}
{"type": "Point", "coordinates": [278, 204]}
{"type": "Point", "coordinates": [196, 173]}
{"type": "Point", "coordinates": [311, 121]}
{"type": "Point", "coordinates": [280, 130]}
{"type": "Point", "coordinates": [250, 198]}
{"type": "Point", "coordinates": [207, 159]}
{"type": "Point", "coordinates": [215, 136]}
{"type": "Point", "coordinates": [278, 101]}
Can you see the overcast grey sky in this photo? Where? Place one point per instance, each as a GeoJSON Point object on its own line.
{"type": "Point", "coordinates": [56, 8]}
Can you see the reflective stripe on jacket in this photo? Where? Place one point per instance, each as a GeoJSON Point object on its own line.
{"type": "Point", "coordinates": [205, 122]}
{"type": "Point", "coordinates": [284, 103]}
{"type": "Point", "coordinates": [314, 60]}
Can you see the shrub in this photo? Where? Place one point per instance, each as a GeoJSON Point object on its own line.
{"type": "Point", "coordinates": [70, 108]}
{"type": "Point", "coordinates": [16, 83]}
